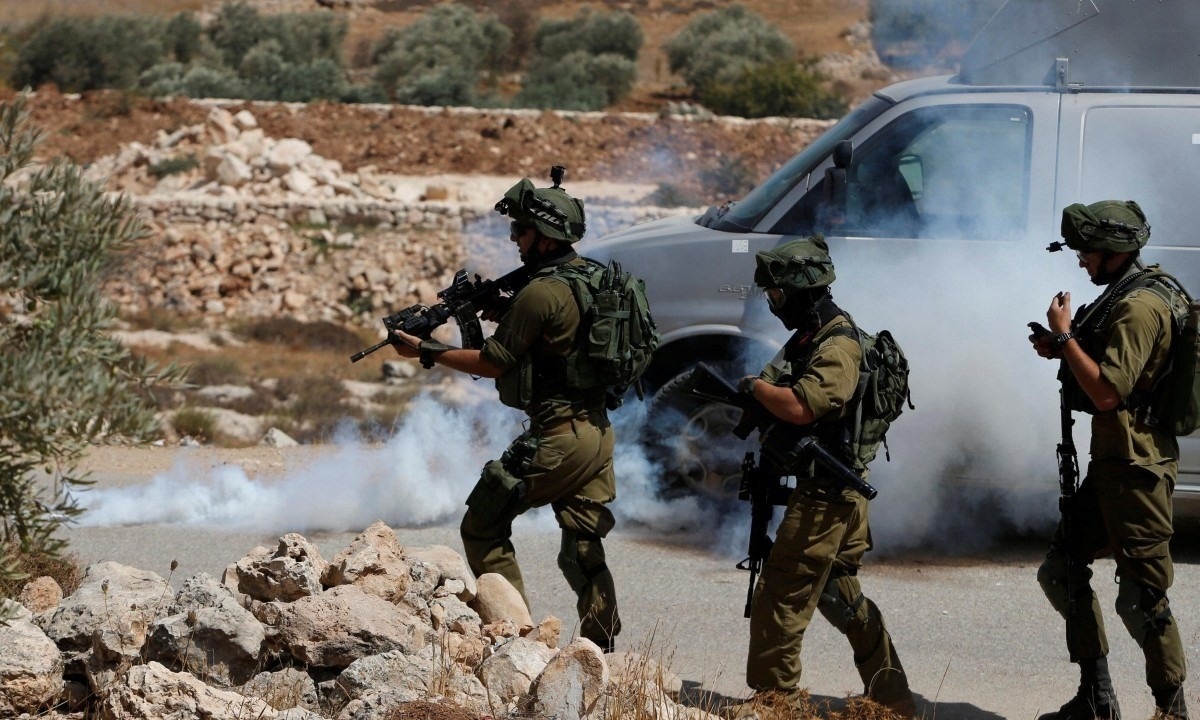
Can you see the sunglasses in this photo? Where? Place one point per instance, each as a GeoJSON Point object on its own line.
{"type": "Point", "coordinates": [516, 229]}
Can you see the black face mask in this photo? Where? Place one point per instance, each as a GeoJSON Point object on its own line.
{"type": "Point", "coordinates": [802, 310]}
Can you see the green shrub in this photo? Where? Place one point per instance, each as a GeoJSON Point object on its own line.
{"type": "Point", "coordinates": [595, 33]}
{"type": "Point", "coordinates": [442, 57]}
{"type": "Point", "coordinates": [174, 165]}
{"type": "Point", "coordinates": [183, 37]}
{"type": "Point", "coordinates": [717, 46]}
{"type": "Point", "coordinates": [65, 381]}
{"type": "Point", "coordinates": [580, 81]}
{"type": "Point", "coordinates": [521, 19]}
{"type": "Point", "coordinates": [79, 54]}
{"type": "Point", "coordinates": [236, 28]}
{"type": "Point", "coordinates": [776, 89]}
{"type": "Point", "coordinates": [266, 75]}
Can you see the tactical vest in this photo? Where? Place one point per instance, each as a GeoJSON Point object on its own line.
{"type": "Point", "coordinates": [1090, 319]}
{"type": "Point", "coordinates": [546, 379]}
{"type": "Point", "coordinates": [793, 361]}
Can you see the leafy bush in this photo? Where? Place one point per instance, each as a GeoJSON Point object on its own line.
{"type": "Point", "coordinates": [718, 46]}
{"type": "Point", "coordinates": [580, 81]}
{"type": "Point", "coordinates": [80, 54]}
{"type": "Point", "coordinates": [595, 33]}
{"type": "Point", "coordinates": [521, 19]}
{"type": "Point", "coordinates": [585, 63]}
{"type": "Point", "coordinates": [266, 75]}
{"type": "Point", "coordinates": [64, 380]}
{"type": "Point", "coordinates": [442, 57]}
{"type": "Point", "coordinates": [183, 37]}
{"type": "Point", "coordinates": [777, 89]}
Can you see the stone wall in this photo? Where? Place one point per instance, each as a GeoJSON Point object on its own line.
{"type": "Point", "coordinates": [261, 227]}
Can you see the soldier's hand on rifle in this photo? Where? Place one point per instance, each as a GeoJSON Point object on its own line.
{"type": "Point", "coordinates": [406, 345]}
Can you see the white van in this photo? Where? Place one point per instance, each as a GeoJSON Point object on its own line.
{"type": "Point", "coordinates": [938, 197]}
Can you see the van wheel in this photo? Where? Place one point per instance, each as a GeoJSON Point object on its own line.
{"type": "Point", "coordinates": [691, 439]}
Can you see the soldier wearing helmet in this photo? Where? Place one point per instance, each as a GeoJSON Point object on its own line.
{"type": "Point", "coordinates": [824, 533]}
{"type": "Point", "coordinates": [1112, 353]}
{"type": "Point", "coordinates": [565, 457]}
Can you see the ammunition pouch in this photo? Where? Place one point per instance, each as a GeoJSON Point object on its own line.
{"type": "Point", "coordinates": [516, 386]}
{"type": "Point", "coordinates": [501, 486]}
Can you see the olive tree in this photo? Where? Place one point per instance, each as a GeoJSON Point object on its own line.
{"type": "Point", "coordinates": [720, 45]}
{"type": "Point", "coordinates": [65, 381]}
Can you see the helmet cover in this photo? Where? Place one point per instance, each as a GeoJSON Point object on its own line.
{"type": "Point", "coordinates": [551, 210]}
{"type": "Point", "coordinates": [1109, 225]}
{"type": "Point", "coordinates": [795, 265]}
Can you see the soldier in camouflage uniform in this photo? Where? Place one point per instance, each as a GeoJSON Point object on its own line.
{"type": "Point", "coordinates": [1112, 354]}
{"type": "Point", "coordinates": [565, 458]}
{"type": "Point", "coordinates": [824, 534]}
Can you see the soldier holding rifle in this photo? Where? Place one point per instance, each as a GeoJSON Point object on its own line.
{"type": "Point", "coordinates": [565, 457]}
{"type": "Point", "coordinates": [820, 543]}
{"type": "Point", "coordinates": [1112, 355]}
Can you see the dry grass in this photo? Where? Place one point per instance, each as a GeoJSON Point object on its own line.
{"type": "Point", "coordinates": [34, 563]}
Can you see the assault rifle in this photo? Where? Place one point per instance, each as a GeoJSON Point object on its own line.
{"type": "Point", "coordinates": [463, 301]}
{"type": "Point", "coordinates": [764, 484]}
{"type": "Point", "coordinates": [1068, 484]}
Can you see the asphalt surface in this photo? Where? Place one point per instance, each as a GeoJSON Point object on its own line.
{"type": "Point", "coordinates": [975, 634]}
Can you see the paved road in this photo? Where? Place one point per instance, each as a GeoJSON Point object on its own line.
{"type": "Point", "coordinates": [975, 634]}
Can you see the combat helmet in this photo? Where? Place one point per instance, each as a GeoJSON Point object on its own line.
{"type": "Point", "coordinates": [795, 265]}
{"type": "Point", "coordinates": [1109, 225]}
{"type": "Point", "coordinates": [551, 210]}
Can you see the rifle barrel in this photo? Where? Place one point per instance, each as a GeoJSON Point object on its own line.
{"type": "Point", "coordinates": [363, 353]}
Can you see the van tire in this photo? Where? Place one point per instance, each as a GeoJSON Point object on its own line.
{"type": "Point", "coordinates": [691, 440]}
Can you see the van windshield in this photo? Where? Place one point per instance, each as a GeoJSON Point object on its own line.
{"type": "Point", "coordinates": [744, 215]}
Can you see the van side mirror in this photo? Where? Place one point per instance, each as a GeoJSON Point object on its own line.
{"type": "Point", "coordinates": [836, 181]}
{"type": "Point", "coordinates": [843, 154]}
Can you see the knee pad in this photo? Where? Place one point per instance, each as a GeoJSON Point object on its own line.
{"type": "Point", "coordinates": [581, 558]}
{"type": "Point", "coordinates": [1144, 610]}
{"type": "Point", "coordinates": [838, 612]}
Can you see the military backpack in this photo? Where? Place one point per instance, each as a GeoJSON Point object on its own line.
{"type": "Point", "coordinates": [880, 397]}
{"type": "Point", "coordinates": [1175, 399]}
{"type": "Point", "coordinates": [618, 334]}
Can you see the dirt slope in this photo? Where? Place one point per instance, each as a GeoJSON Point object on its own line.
{"type": "Point", "coordinates": [414, 141]}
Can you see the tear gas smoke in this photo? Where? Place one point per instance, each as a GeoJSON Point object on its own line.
{"type": "Point", "coordinates": [986, 410]}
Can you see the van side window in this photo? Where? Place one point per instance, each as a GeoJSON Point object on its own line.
{"type": "Point", "coordinates": [948, 171]}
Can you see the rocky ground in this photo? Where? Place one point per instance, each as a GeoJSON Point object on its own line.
{"type": "Point", "coordinates": [644, 148]}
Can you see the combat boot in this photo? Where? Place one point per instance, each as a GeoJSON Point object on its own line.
{"type": "Point", "coordinates": [1171, 704]}
{"type": "Point", "coordinates": [1096, 697]}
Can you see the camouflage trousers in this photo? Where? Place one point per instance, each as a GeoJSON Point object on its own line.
{"type": "Point", "coordinates": [570, 468]}
{"type": "Point", "coordinates": [1125, 511]}
{"type": "Point", "coordinates": [813, 565]}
